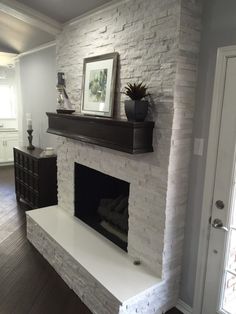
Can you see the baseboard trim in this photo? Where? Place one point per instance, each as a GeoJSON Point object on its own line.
{"type": "Point", "coordinates": [4, 164]}
{"type": "Point", "coordinates": [183, 307]}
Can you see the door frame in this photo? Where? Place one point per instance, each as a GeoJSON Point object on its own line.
{"type": "Point", "coordinates": [223, 54]}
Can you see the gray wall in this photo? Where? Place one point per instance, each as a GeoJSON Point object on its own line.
{"type": "Point", "coordinates": [219, 29]}
{"type": "Point", "coordinates": [38, 89]}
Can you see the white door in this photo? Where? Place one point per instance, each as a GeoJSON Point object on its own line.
{"type": "Point", "coordinates": [220, 284]}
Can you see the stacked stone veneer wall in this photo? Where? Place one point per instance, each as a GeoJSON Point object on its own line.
{"type": "Point", "coordinates": [158, 43]}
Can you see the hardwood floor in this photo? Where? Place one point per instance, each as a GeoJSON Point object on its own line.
{"type": "Point", "coordinates": [28, 284]}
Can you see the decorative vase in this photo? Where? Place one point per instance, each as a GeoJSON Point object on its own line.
{"type": "Point", "coordinates": [136, 110]}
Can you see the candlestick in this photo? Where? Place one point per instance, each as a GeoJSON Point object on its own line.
{"type": "Point", "coordinates": [29, 124]}
{"type": "Point", "coordinates": [30, 138]}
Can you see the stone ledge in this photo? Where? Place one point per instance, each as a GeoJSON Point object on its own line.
{"type": "Point", "coordinates": [100, 273]}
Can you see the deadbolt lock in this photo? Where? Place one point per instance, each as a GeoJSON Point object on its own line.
{"type": "Point", "coordinates": [220, 204]}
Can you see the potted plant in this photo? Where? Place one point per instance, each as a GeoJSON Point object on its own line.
{"type": "Point", "coordinates": [136, 108]}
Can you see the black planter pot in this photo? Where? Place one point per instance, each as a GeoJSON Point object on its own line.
{"type": "Point", "coordinates": [136, 110]}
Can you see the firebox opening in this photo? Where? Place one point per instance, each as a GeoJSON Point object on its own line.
{"type": "Point", "coordinates": [101, 201]}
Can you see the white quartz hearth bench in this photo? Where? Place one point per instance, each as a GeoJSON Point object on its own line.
{"type": "Point", "coordinates": [99, 272]}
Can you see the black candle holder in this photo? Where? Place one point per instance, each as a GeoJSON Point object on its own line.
{"type": "Point", "coordinates": [30, 138]}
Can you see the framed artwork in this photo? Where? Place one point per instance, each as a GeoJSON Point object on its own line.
{"type": "Point", "coordinates": [99, 80]}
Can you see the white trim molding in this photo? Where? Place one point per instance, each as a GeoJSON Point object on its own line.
{"type": "Point", "coordinates": [183, 307]}
{"type": "Point", "coordinates": [100, 9]}
{"type": "Point", "coordinates": [30, 16]}
{"type": "Point", "coordinates": [222, 55]}
{"type": "Point", "coordinates": [36, 49]}
{"type": "Point", "coordinates": [4, 164]}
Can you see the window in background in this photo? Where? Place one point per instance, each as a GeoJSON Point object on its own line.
{"type": "Point", "coordinates": [7, 102]}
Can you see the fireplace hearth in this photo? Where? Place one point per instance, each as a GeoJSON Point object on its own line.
{"type": "Point", "coordinates": [101, 201]}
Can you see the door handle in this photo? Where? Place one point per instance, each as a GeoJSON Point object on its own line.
{"type": "Point", "coordinates": [218, 224]}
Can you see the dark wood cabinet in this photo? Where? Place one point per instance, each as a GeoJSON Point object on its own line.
{"type": "Point", "coordinates": [35, 177]}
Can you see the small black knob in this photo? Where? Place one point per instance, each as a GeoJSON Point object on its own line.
{"type": "Point", "coordinates": [220, 204]}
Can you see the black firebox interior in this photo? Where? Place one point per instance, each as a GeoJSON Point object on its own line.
{"type": "Point", "coordinates": [101, 201]}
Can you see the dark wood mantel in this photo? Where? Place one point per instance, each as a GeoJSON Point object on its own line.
{"type": "Point", "coordinates": [121, 135]}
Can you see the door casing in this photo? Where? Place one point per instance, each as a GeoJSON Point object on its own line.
{"type": "Point", "coordinates": [222, 55]}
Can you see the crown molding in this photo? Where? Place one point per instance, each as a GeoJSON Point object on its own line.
{"type": "Point", "coordinates": [100, 9]}
{"type": "Point", "coordinates": [30, 16]}
{"type": "Point", "coordinates": [41, 47]}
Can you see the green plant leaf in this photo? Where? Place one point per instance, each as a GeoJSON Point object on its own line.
{"type": "Point", "coordinates": [136, 91]}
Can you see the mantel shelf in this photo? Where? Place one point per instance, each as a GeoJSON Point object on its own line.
{"type": "Point", "coordinates": [121, 135]}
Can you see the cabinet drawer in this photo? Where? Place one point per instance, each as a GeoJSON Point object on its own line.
{"type": "Point", "coordinates": [6, 135]}
{"type": "Point", "coordinates": [28, 195]}
{"type": "Point", "coordinates": [33, 182]}
{"type": "Point", "coordinates": [33, 166]}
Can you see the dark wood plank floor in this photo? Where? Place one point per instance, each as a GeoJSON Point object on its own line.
{"type": "Point", "coordinates": [28, 284]}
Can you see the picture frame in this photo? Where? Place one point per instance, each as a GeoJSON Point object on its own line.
{"type": "Point", "coordinates": [99, 82]}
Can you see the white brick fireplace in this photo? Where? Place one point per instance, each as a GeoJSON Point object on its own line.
{"type": "Point", "coordinates": [158, 43]}
{"type": "Point", "coordinates": [146, 199]}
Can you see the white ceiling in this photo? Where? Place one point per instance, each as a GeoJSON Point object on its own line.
{"type": "Point", "coordinates": [26, 24]}
{"type": "Point", "coordinates": [17, 36]}
{"type": "Point", "coordinates": [63, 10]}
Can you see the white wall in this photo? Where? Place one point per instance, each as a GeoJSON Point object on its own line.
{"type": "Point", "coordinates": [38, 89]}
{"type": "Point", "coordinates": [219, 29]}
